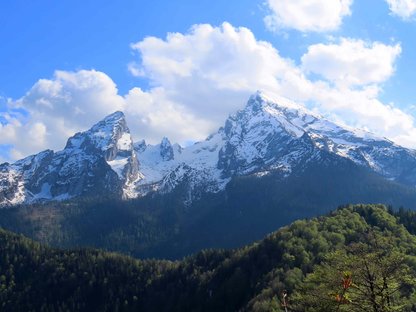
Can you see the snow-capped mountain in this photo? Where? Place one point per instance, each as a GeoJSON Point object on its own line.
{"type": "Point", "coordinates": [99, 161]}
{"type": "Point", "coordinates": [268, 136]}
{"type": "Point", "coordinates": [268, 132]}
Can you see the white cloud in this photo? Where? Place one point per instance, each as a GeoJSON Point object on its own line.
{"type": "Point", "coordinates": [403, 8]}
{"type": "Point", "coordinates": [152, 115]}
{"type": "Point", "coordinates": [362, 108]}
{"type": "Point", "coordinates": [58, 108]}
{"type": "Point", "coordinates": [352, 62]}
{"type": "Point", "coordinates": [197, 79]}
{"type": "Point", "coordinates": [211, 70]}
{"type": "Point", "coordinates": [307, 15]}
{"type": "Point", "coordinates": [134, 69]}
{"type": "Point", "coordinates": [352, 72]}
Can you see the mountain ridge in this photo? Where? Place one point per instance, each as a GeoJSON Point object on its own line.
{"type": "Point", "coordinates": [269, 135]}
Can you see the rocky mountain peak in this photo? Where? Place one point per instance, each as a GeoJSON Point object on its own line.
{"type": "Point", "coordinates": [140, 146]}
{"type": "Point", "coordinates": [110, 136]}
{"type": "Point", "coordinates": [268, 113]}
{"type": "Point", "coordinates": [261, 100]}
{"type": "Point", "coordinates": [166, 149]}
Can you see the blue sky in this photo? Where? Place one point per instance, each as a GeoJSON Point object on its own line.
{"type": "Point", "coordinates": [66, 64]}
{"type": "Point", "coordinates": [42, 36]}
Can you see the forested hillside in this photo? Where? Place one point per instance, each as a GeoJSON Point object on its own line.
{"type": "Point", "coordinates": [164, 226]}
{"type": "Point", "coordinates": [318, 262]}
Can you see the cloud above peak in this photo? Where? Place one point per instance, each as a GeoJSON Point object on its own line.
{"type": "Point", "coordinates": [211, 65]}
{"type": "Point", "coordinates": [307, 15]}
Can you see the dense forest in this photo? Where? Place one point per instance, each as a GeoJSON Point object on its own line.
{"type": "Point", "coordinates": [357, 258]}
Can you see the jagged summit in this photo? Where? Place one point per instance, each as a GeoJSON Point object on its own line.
{"type": "Point", "coordinates": [166, 150]}
{"type": "Point", "coordinates": [140, 146]}
{"type": "Point", "coordinates": [110, 125]}
{"type": "Point", "coordinates": [111, 119]}
{"type": "Point", "coordinates": [104, 131]}
{"type": "Point", "coordinates": [261, 98]}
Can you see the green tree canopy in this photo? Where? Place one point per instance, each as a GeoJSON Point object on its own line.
{"type": "Point", "coordinates": [371, 275]}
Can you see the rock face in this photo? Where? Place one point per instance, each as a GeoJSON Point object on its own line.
{"type": "Point", "coordinates": [270, 135]}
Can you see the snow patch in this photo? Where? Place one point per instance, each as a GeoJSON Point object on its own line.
{"type": "Point", "coordinates": [125, 143]}
{"type": "Point", "coordinates": [45, 192]}
{"type": "Point", "coordinates": [118, 165]}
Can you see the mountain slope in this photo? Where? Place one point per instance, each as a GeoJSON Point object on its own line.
{"type": "Point", "coordinates": [247, 279]}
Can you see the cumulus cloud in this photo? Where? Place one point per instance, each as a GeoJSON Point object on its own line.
{"type": "Point", "coordinates": [351, 74]}
{"type": "Point", "coordinates": [352, 62]}
{"type": "Point", "coordinates": [153, 115]}
{"type": "Point", "coordinates": [307, 15]}
{"type": "Point", "coordinates": [211, 70]}
{"type": "Point", "coordinates": [402, 8]}
{"type": "Point", "coordinates": [362, 108]}
{"type": "Point", "coordinates": [200, 77]}
{"type": "Point", "coordinates": [58, 108]}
